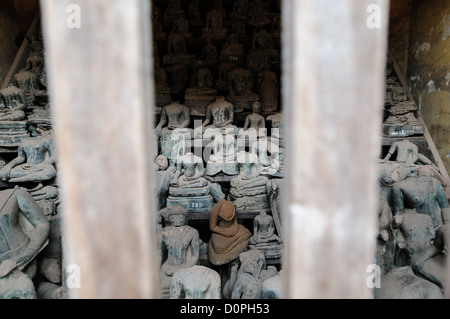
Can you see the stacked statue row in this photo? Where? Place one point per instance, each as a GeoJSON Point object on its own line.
{"type": "Point", "coordinates": [30, 240]}
{"type": "Point", "coordinates": [412, 219]}
{"type": "Point", "coordinates": [192, 182]}
{"type": "Point", "coordinates": [401, 120]}
{"type": "Point", "coordinates": [189, 266]}
{"type": "Point", "coordinates": [217, 70]}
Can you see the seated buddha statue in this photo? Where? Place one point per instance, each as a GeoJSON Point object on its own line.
{"type": "Point", "coordinates": [191, 188]}
{"type": "Point", "coordinates": [240, 88]}
{"type": "Point", "coordinates": [214, 29]}
{"type": "Point", "coordinates": [13, 121]}
{"type": "Point", "coordinates": [175, 119]}
{"type": "Point", "coordinates": [35, 161]}
{"type": "Point", "coordinates": [223, 158]}
{"type": "Point", "coordinates": [255, 124]}
{"type": "Point", "coordinates": [221, 114]}
{"type": "Point", "coordinates": [228, 238]}
{"type": "Point", "coordinates": [201, 93]}
{"type": "Point", "coordinates": [248, 190]}
{"type": "Point", "coordinates": [264, 237]}
{"type": "Point", "coordinates": [180, 243]}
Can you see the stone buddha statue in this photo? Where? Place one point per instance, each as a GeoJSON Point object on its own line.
{"type": "Point", "coordinates": [214, 29]}
{"type": "Point", "coordinates": [240, 88]}
{"type": "Point", "coordinates": [157, 28]}
{"type": "Point", "coordinates": [35, 161]}
{"type": "Point", "coordinates": [196, 282]}
{"type": "Point", "coordinates": [255, 124]}
{"type": "Point", "coordinates": [264, 237]}
{"type": "Point", "coordinates": [173, 128]}
{"type": "Point", "coordinates": [221, 114]}
{"type": "Point", "coordinates": [247, 275]}
{"type": "Point", "coordinates": [424, 193]}
{"type": "Point", "coordinates": [228, 238]}
{"type": "Point", "coordinates": [224, 154]}
{"type": "Point", "coordinates": [173, 10]}
{"type": "Point", "coordinates": [181, 26]}
{"type": "Point", "coordinates": [259, 13]}
{"type": "Point", "coordinates": [20, 243]}
{"type": "Point", "coordinates": [270, 155]}
{"type": "Point", "coordinates": [189, 187]}
{"type": "Point", "coordinates": [178, 246]}
{"type": "Point", "coordinates": [209, 56]}
{"type": "Point", "coordinates": [177, 51]}
{"type": "Point", "coordinates": [239, 10]}
{"type": "Point", "coordinates": [202, 93]}
{"type": "Point", "coordinates": [248, 190]}
{"type": "Point", "coordinates": [13, 122]}
{"type": "Point", "coordinates": [162, 88]}
{"type": "Point", "coordinates": [277, 126]}
{"type": "Point", "coordinates": [268, 90]}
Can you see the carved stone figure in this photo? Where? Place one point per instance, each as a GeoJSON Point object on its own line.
{"type": "Point", "coordinates": [13, 122]}
{"type": "Point", "coordinates": [273, 287]}
{"type": "Point", "coordinates": [178, 78]}
{"type": "Point", "coordinates": [194, 13]}
{"type": "Point", "coordinates": [259, 12]}
{"type": "Point", "coordinates": [402, 283]}
{"type": "Point", "coordinates": [164, 175]}
{"type": "Point", "coordinates": [267, 87]}
{"type": "Point", "coordinates": [224, 155]}
{"type": "Point", "coordinates": [190, 188]}
{"type": "Point", "coordinates": [247, 275]}
{"type": "Point", "coordinates": [214, 29]}
{"type": "Point", "coordinates": [35, 161]}
{"type": "Point", "coordinates": [228, 238]}
{"type": "Point", "coordinates": [181, 26]}
{"type": "Point", "coordinates": [157, 28]}
{"type": "Point", "coordinates": [423, 193]}
{"type": "Point", "coordinates": [196, 282]}
{"type": "Point", "coordinates": [255, 124]}
{"type": "Point", "coordinates": [221, 114]}
{"type": "Point", "coordinates": [248, 284]}
{"type": "Point", "coordinates": [173, 10]}
{"type": "Point", "coordinates": [270, 155]}
{"type": "Point", "coordinates": [199, 96]}
{"type": "Point", "coordinates": [28, 82]}
{"type": "Point", "coordinates": [402, 121]}
{"type": "Point", "coordinates": [248, 190]}
{"type": "Point", "coordinates": [274, 187]}
{"type": "Point", "coordinates": [178, 247]}
{"type": "Point", "coordinates": [264, 237]}
{"type": "Point", "coordinates": [162, 88]}
{"type": "Point", "coordinates": [20, 243]}
{"type": "Point", "coordinates": [277, 125]}
{"type": "Point", "coordinates": [209, 56]}
{"type": "Point", "coordinates": [239, 10]}
{"type": "Point", "coordinates": [240, 87]}
{"type": "Point", "coordinates": [175, 115]}
{"type": "Point", "coordinates": [173, 136]}
{"type": "Point", "coordinates": [177, 51]}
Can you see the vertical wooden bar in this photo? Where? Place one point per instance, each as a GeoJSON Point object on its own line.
{"type": "Point", "coordinates": [99, 71]}
{"type": "Point", "coordinates": [334, 59]}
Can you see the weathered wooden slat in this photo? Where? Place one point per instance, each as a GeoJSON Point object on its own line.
{"type": "Point", "coordinates": [100, 85]}
{"type": "Point", "coordinates": [333, 87]}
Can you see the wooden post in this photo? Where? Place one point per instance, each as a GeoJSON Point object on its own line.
{"type": "Point", "coordinates": [101, 94]}
{"type": "Point", "coordinates": [334, 59]}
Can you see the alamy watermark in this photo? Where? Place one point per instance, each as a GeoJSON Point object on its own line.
{"type": "Point", "coordinates": [374, 279]}
{"type": "Point", "coordinates": [73, 276]}
{"type": "Point", "coordinates": [73, 20]}
{"type": "Point", "coordinates": [374, 19]}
